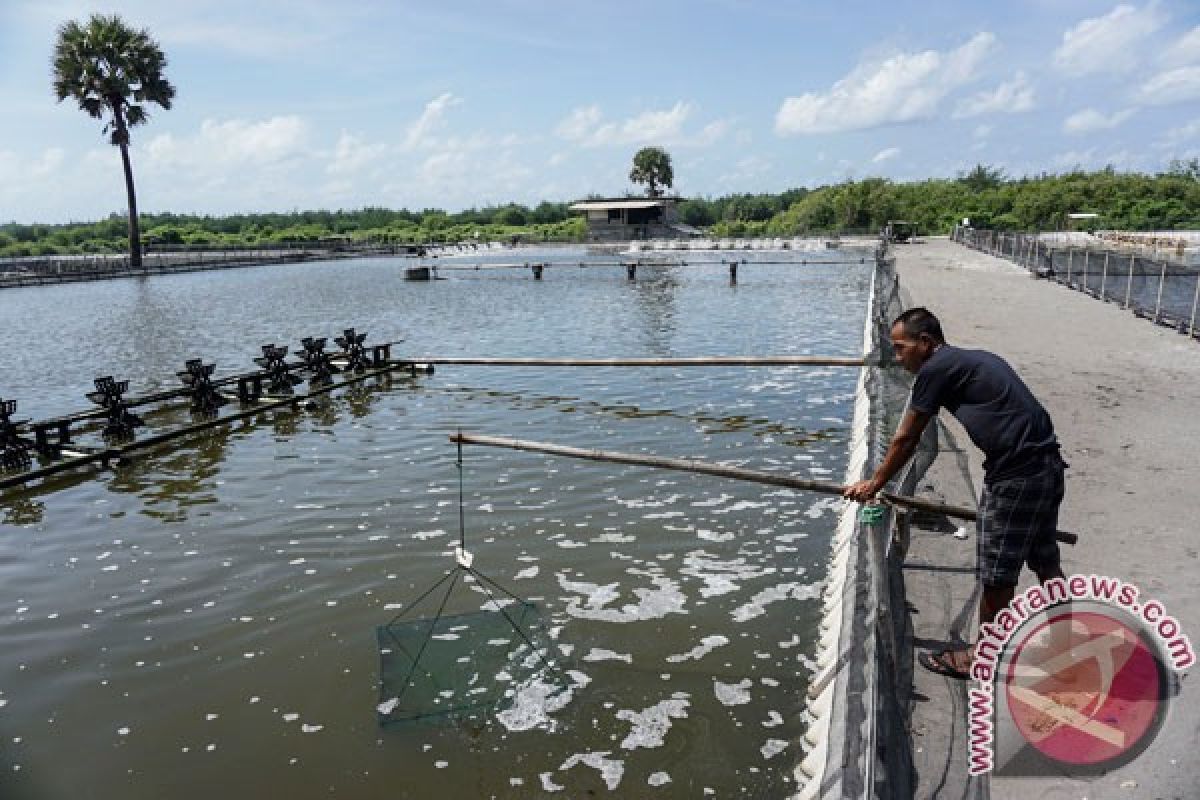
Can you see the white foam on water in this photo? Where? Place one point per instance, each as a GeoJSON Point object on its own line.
{"type": "Point", "coordinates": [665, 598]}
{"type": "Point", "coordinates": [713, 501]}
{"type": "Point", "coordinates": [664, 515]}
{"type": "Point", "coordinates": [423, 535]}
{"type": "Point", "coordinates": [714, 536]}
{"type": "Point", "coordinates": [658, 779]}
{"type": "Point", "coordinates": [773, 747]}
{"type": "Point", "coordinates": [773, 594]}
{"type": "Point", "coordinates": [650, 726]}
{"type": "Point", "coordinates": [306, 728]}
{"type": "Point", "coordinates": [741, 505]}
{"type": "Point", "coordinates": [774, 719]}
{"type": "Point", "coordinates": [706, 646]}
{"type": "Point", "coordinates": [818, 508]}
{"type": "Point", "coordinates": [528, 572]}
{"type": "Point", "coordinates": [549, 785]}
{"type": "Point", "coordinates": [610, 769]}
{"type": "Point", "coordinates": [733, 694]}
{"type": "Point", "coordinates": [388, 706]}
{"type": "Point", "coordinates": [532, 704]}
{"type": "Point", "coordinates": [720, 576]}
{"type": "Point", "coordinates": [600, 654]}
{"type": "Point", "coordinates": [647, 502]}
{"type": "Point", "coordinates": [614, 538]}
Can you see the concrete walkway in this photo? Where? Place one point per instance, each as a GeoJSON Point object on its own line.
{"type": "Point", "coordinates": [1124, 395]}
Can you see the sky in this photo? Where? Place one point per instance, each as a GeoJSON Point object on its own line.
{"type": "Point", "coordinates": [307, 104]}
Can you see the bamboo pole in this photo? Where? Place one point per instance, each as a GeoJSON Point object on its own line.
{"type": "Point", "coordinates": [700, 361]}
{"type": "Point", "coordinates": [719, 470]}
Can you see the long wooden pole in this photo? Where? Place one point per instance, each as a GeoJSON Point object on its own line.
{"type": "Point", "coordinates": [719, 470]}
{"type": "Point", "coordinates": [701, 361]}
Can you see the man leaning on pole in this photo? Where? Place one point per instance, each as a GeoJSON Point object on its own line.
{"type": "Point", "coordinates": [1023, 470]}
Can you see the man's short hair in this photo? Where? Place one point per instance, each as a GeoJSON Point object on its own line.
{"type": "Point", "coordinates": [917, 321]}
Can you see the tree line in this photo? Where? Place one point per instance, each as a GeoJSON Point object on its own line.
{"type": "Point", "coordinates": [1169, 200]}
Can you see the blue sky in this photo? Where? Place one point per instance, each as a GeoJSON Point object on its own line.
{"type": "Point", "coordinates": [285, 104]}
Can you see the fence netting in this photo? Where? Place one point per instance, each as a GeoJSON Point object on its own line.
{"type": "Point", "coordinates": [1165, 290]}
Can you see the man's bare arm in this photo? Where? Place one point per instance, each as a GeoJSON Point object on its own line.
{"type": "Point", "coordinates": [903, 445]}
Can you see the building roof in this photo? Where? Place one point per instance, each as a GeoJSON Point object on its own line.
{"type": "Point", "coordinates": [602, 205]}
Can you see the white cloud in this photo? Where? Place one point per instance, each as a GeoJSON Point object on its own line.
{"type": "Point", "coordinates": [432, 119]}
{"type": "Point", "coordinates": [1182, 133]}
{"type": "Point", "coordinates": [1172, 86]}
{"type": "Point", "coordinates": [233, 141]}
{"type": "Point", "coordinates": [885, 154]}
{"type": "Point", "coordinates": [1008, 98]}
{"type": "Point", "coordinates": [249, 38]}
{"type": "Point", "coordinates": [1090, 120]}
{"type": "Point", "coordinates": [49, 162]}
{"type": "Point", "coordinates": [586, 126]}
{"type": "Point", "coordinates": [1186, 49]}
{"type": "Point", "coordinates": [1074, 158]}
{"type": "Point", "coordinates": [981, 131]}
{"type": "Point", "coordinates": [905, 87]}
{"type": "Point", "coordinates": [746, 172]}
{"type": "Point", "coordinates": [352, 154]}
{"type": "Point", "coordinates": [1112, 43]}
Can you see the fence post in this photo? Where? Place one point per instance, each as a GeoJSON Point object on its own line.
{"type": "Point", "coordinates": [1129, 283]}
{"type": "Point", "coordinates": [1070, 259]}
{"type": "Point", "coordinates": [1087, 260]}
{"type": "Point", "coordinates": [1162, 278]}
{"type": "Point", "coordinates": [1104, 277]}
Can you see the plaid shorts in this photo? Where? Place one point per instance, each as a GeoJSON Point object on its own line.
{"type": "Point", "coordinates": [1017, 521]}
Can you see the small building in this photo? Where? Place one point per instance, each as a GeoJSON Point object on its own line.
{"type": "Point", "coordinates": [626, 218]}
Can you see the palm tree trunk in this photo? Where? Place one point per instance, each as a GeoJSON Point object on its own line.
{"type": "Point", "coordinates": [135, 234]}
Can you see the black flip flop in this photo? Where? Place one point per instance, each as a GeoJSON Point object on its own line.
{"type": "Point", "coordinates": [938, 663]}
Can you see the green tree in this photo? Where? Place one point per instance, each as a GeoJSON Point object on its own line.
{"type": "Point", "coordinates": [113, 72]}
{"type": "Point", "coordinates": [982, 177]}
{"type": "Point", "coordinates": [652, 166]}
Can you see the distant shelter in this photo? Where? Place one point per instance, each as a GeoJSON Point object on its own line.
{"type": "Point", "coordinates": [625, 218]}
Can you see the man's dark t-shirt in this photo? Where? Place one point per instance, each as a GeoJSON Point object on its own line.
{"type": "Point", "coordinates": [1000, 414]}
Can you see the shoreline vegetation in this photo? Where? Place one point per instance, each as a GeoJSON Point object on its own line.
{"type": "Point", "coordinates": [1169, 200]}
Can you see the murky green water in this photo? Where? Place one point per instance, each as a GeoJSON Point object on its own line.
{"type": "Point", "coordinates": [203, 620]}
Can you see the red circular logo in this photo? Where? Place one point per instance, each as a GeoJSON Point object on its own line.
{"type": "Point", "coordinates": [1085, 689]}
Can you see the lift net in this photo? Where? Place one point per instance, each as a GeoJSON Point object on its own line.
{"type": "Point", "coordinates": [461, 666]}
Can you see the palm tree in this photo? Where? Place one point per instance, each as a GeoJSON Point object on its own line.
{"type": "Point", "coordinates": [113, 72]}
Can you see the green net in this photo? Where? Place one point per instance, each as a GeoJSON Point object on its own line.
{"type": "Point", "coordinates": [461, 666]}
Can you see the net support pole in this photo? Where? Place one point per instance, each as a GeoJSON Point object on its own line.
{"type": "Point", "coordinates": [1129, 283]}
{"type": "Point", "coordinates": [1070, 261]}
{"type": "Point", "coordinates": [1195, 301]}
{"type": "Point", "coordinates": [1104, 277]}
{"type": "Point", "coordinates": [1162, 279]}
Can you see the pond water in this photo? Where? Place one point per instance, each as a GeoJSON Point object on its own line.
{"type": "Point", "coordinates": [204, 619]}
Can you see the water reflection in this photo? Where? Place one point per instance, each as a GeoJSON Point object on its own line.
{"type": "Point", "coordinates": [22, 510]}
{"type": "Point", "coordinates": [173, 483]}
